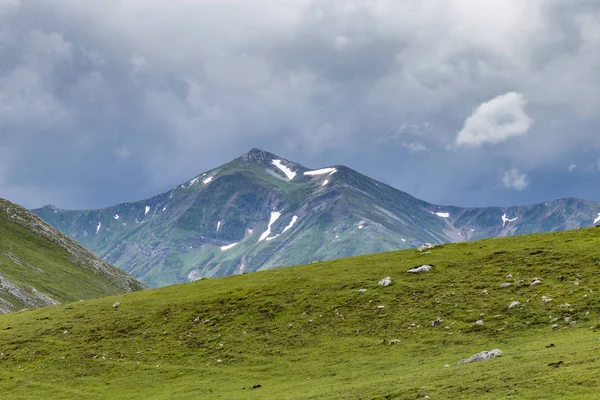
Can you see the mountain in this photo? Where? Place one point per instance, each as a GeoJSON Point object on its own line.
{"type": "Point", "coordinates": [330, 331]}
{"type": "Point", "coordinates": [40, 266]}
{"type": "Point", "coordinates": [261, 211]}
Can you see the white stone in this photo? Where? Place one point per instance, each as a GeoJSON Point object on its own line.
{"type": "Point", "coordinates": [514, 304]}
{"type": "Point", "coordinates": [484, 355]}
{"type": "Point", "coordinates": [419, 270]}
{"type": "Point", "coordinates": [385, 281]}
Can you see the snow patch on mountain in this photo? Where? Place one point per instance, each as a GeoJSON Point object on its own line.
{"type": "Point", "coordinates": [325, 182]}
{"type": "Point", "coordinates": [98, 227]}
{"type": "Point", "coordinates": [292, 222]}
{"type": "Point", "coordinates": [218, 226]}
{"type": "Point", "coordinates": [274, 217]}
{"type": "Point", "coordinates": [229, 246]}
{"type": "Point", "coordinates": [287, 171]}
{"type": "Point", "coordinates": [597, 219]}
{"type": "Point", "coordinates": [443, 214]}
{"type": "Point", "coordinates": [321, 171]}
{"type": "Point", "coordinates": [207, 180]}
{"type": "Point", "coordinates": [194, 181]}
{"type": "Point", "coordinates": [505, 219]}
{"type": "Point", "coordinates": [147, 210]}
{"type": "Point", "coordinates": [116, 216]}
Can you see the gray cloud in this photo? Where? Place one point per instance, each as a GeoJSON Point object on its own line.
{"type": "Point", "coordinates": [103, 102]}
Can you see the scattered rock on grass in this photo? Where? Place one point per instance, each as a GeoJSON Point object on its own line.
{"type": "Point", "coordinates": [536, 281]}
{"type": "Point", "coordinates": [362, 290]}
{"type": "Point", "coordinates": [505, 285]}
{"type": "Point", "coordinates": [514, 304]}
{"type": "Point", "coordinates": [385, 281]}
{"type": "Point", "coordinates": [425, 246]}
{"type": "Point", "coordinates": [437, 321]}
{"type": "Point", "coordinates": [394, 341]}
{"type": "Point", "coordinates": [479, 322]}
{"type": "Point", "coordinates": [419, 270]}
{"type": "Point", "coordinates": [116, 305]}
{"type": "Point", "coordinates": [484, 355]}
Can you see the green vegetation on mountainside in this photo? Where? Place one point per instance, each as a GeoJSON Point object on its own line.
{"type": "Point", "coordinates": [213, 224]}
{"type": "Point", "coordinates": [307, 332]}
{"type": "Point", "coordinates": [40, 266]}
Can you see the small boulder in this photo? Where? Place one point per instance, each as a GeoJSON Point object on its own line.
{"type": "Point", "coordinates": [420, 270]}
{"type": "Point", "coordinates": [425, 246]}
{"type": "Point", "coordinates": [116, 305]}
{"type": "Point", "coordinates": [536, 281]}
{"type": "Point", "coordinates": [484, 355]}
{"type": "Point", "coordinates": [479, 322]}
{"type": "Point", "coordinates": [385, 281]}
{"type": "Point", "coordinates": [394, 341]}
{"type": "Point", "coordinates": [505, 285]}
{"type": "Point", "coordinates": [362, 290]}
{"type": "Point", "coordinates": [437, 321]}
{"type": "Point", "coordinates": [514, 304]}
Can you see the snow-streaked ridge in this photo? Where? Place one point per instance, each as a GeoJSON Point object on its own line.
{"type": "Point", "coordinates": [597, 219]}
{"type": "Point", "coordinates": [321, 171]}
{"type": "Point", "coordinates": [505, 219]}
{"type": "Point", "coordinates": [286, 170]}
{"type": "Point", "coordinates": [443, 214]}
{"type": "Point", "coordinates": [229, 246]}
{"type": "Point", "coordinates": [292, 222]}
{"type": "Point", "coordinates": [274, 217]}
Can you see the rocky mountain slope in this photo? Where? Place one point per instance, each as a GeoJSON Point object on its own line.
{"type": "Point", "coordinates": [261, 211]}
{"type": "Point", "coordinates": [40, 266]}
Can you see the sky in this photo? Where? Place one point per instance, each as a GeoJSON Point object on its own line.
{"type": "Point", "coordinates": [461, 102]}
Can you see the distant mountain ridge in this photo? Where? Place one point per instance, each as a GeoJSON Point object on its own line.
{"type": "Point", "coordinates": [262, 211]}
{"type": "Point", "coordinates": [40, 266]}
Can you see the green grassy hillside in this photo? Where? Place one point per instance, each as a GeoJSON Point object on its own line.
{"type": "Point", "coordinates": [307, 332]}
{"type": "Point", "coordinates": [39, 266]}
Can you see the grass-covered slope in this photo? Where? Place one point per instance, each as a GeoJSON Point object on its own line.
{"type": "Point", "coordinates": [307, 332]}
{"type": "Point", "coordinates": [39, 266]}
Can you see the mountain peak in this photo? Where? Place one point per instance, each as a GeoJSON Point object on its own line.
{"type": "Point", "coordinates": [259, 156]}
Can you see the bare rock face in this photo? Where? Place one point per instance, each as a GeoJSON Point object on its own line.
{"type": "Point", "coordinates": [484, 355]}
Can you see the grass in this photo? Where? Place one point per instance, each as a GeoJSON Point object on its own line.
{"type": "Point", "coordinates": [306, 332]}
{"type": "Point", "coordinates": [32, 262]}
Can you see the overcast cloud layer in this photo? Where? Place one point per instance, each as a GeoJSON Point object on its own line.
{"type": "Point", "coordinates": [457, 102]}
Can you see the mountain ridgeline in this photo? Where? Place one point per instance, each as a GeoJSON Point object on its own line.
{"type": "Point", "coordinates": [40, 266]}
{"type": "Point", "coordinates": [261, 211]}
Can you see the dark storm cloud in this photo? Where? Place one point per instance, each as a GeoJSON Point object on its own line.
{"type": "Point", "coordinates": [103, 102]}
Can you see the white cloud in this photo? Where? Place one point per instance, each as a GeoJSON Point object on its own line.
{"type": "Point", "coordinates": [572, 166]}
{"type": "Point", "coordinates": [495, 121]}
{"type": "Point", "coordinates": [416, 147]}
{"type": "Point", "coordinates": [137, 62]}
{"type": "Point", "coordinates": [514, 179]}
